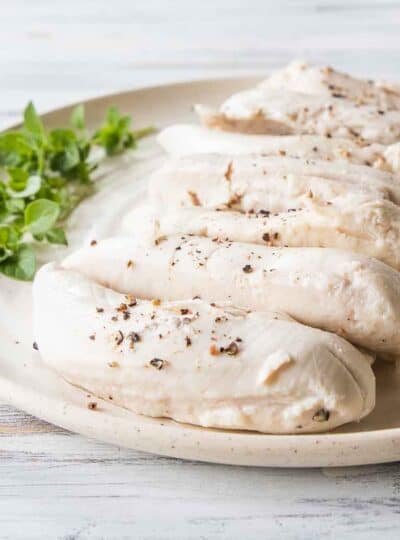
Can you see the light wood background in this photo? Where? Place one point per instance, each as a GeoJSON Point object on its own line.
{"type": "Point", "coordinates": [54, 484]}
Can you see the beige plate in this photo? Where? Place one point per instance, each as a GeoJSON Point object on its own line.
{"type": "Point", "coordinates": [25, 383]}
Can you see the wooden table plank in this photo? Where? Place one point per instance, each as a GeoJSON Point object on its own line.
{"type": "Point", "coordinates": [65, 486]}
{"type": "Point", "coordinates": [15, 422]}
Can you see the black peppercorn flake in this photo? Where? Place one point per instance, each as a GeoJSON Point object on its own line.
{"type": "Point", "coordinates": [131, 300]}
{"type": "Point", "coordinates": [322, 415]}
{"type": "Point", "coordinates": [118, 337]}
{"type": "Point", "coordinates": [133, 338]}
{"type": "Point", "coordinates": [232, 349]}
{"type": "Point", "coordinates": [157, 363]}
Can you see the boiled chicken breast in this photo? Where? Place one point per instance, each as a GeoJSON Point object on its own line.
{"type": "Point", "coordinates": [300, 76]}
{"type": "Point", "coordinates": [339, 291]}
{"type": "Point", "coordinates": [188, 139]}
{"type": "Point", "coordinates": [369, 228]}
{"type": "Point", "coordinates": [275, 184]}
{"type": "Point", "coordinates": [261, 110]}
{"type": "Point", "coordinates": [198, 363]}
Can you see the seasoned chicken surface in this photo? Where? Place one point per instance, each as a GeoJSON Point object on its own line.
{"type": "Point", "coordinates": [194, 362]}
{"type": "Point", "coordinates": [339, 291]}
{"type": "Point", "coordinates": [267, 251]}
{"type": "Point", "coordinates": [275, 184]}
{"type": "Point", "coordinates": [262, 110]}
{"type": "Point", "coordinates": [187, 139]}
{"type": "Point", "coordinates": [372, 229]}
{"type": "Point", "coordinates": [300, 76]}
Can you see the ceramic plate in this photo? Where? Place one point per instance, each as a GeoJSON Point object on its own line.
{"type": "Point", "coordinates": [28, 385]}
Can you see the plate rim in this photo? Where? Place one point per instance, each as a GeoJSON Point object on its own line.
{"type": "Point", "coordinates": [295, 451]}
{"type": "Point", "coordinates": [125, 93]}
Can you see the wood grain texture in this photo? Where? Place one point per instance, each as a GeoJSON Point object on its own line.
{"type": "Point", "coordinates": [56, 51]}
{"type": "Point", "coordinates": [58, 485]}
{"type": "Point", "coordinates": [54, 484]}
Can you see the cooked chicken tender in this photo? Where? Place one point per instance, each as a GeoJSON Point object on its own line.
{"type": "Point", "coordinates": [187, 139]}
{"type": "Point", "coordinates": [250, 182]}
{"type": "Point", "coordinates": [339, 291]}
{"type": "Point", "coordinates": [194, 362]}
{"type": "Point", "coordinates": [301, 76]}
{"type": "Point", "coordinates": [261, 110]}
{"type": "Point", "coordinates": [372, 229]}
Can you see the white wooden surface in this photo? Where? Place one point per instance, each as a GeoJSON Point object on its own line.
{"type": "Point", "coordinates": [58, 485]}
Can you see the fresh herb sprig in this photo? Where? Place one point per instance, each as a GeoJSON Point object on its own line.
{"type": "Point", "coordinates": [44, 175]}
